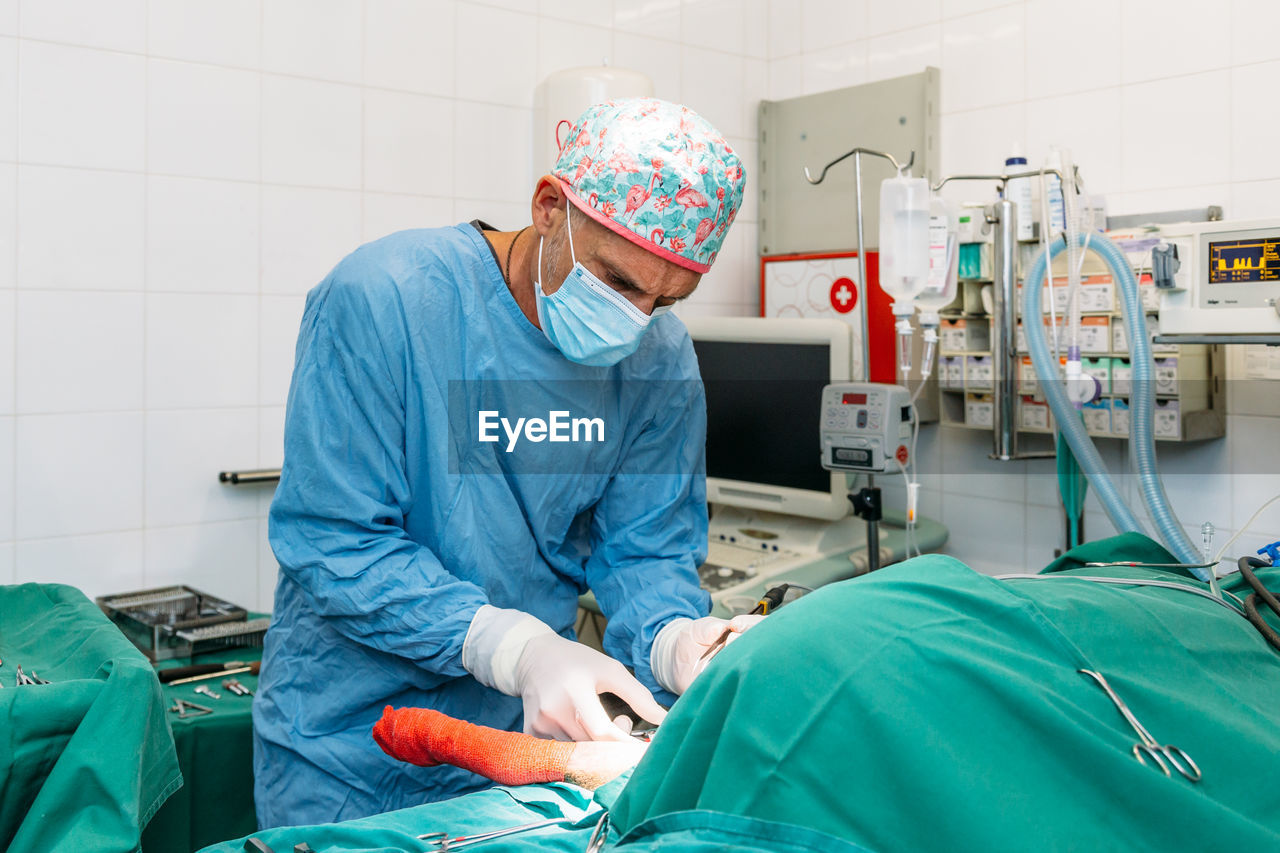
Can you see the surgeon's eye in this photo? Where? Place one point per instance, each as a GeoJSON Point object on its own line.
{"type": "Point", "coordinates": [622, 286]}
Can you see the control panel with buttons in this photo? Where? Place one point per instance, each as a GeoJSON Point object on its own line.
{"type": "Point", "coordinates": [865, 426]}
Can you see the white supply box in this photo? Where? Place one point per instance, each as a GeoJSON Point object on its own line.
{"type": "Point", "coordinates": [961, 335]}
{"type": "Point", "coordinates": [1099, 369]}
{"type": "Point", "coordinates": [1097, 417]}
{"type": "Point", "coordinates": [978, 373]}
{"type": "Point", "coordinates": [1120, 417]}
{"type": "Point", "coordinates": [951, 371]}
{"type": "Point", "coordinates": [1121, 376]}
{"type": "Point", "coordinates": [979, 410]}
{"type": "Point", "coordinates": [1034, 416]}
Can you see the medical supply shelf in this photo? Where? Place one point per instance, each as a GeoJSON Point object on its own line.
{"type": "Point", "coordinates": [1190, 388]}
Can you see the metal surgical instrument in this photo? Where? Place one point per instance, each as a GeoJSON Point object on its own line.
{"type": "Point", "coordinates": [207, 692]}
{"type": "Point", "coordinates": [185, 709]}
{"type": "Point", "coordinates": [442, 841]}
{"type": "Point", "coordinates": [1149, 746]}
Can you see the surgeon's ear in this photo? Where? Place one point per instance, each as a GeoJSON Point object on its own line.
{"type": "Point", "coordinates": [548, 205]}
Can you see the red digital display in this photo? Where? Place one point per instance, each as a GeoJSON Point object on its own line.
{"type": "Point", "coordinates": [854, 399]}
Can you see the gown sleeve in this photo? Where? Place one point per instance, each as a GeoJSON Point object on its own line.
{"type": "Point", "coordinates": [337, 521]}
{"type": "Point", "coordinates": [649, 530]}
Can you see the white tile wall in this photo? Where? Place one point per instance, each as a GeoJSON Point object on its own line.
{"type": "Point", "coordinates": [1169, 42]}
{"type": "Point", "coordinates": [202, 121]}
{"type": "Point", "coordinates": [78, 474]}
{"type": "Point", "coordinates": [8, 99]}
{"type": "Point", "coordinates": [182, 213]}
{"type": "Point", "coordinates": [80, 229]}
{"type": "Point", "coordinates": [185, 450]}
{"type": "Point", "coordinates": [387, 213]}
{"type": "Point", "coordinates": [1197, 154]}
{"type": "Point", "coordinates": [175, 176]}
{"type": "Point", "coordinates": [310, 133]}
{"type": "Point", "coordinates": [218, 557]}
{"type": "Point", "coordinates": [98, 565]}
{"type": "Point", "coordinates": [1252, 24]}
{"type": "Point", "coordinates": [826, 23]}
{"type": "Point", "coordinates": [409, 45]}
{"type": "Point", "coordinates": [202, 350]}
{"type": "Point", "coordinates": [835, 67]}
{"type": "Point", "coordinates": [491, 148]}
{"type": "Point", "coordinates": [408, 147]}
{"type": "Point", "coordinates": [598, 13]}
{"type": "Point", "coordinates": [221, 32]}
{"type": "Point", "coordinates": [8, 233]}
{"type": "Point", "coordinates": [281, 316]}
{"type": "Point", "coordinates": [1050, 34]}
{"type": "Point", "coordinates": [8, 350]}
{"type": "Point", "coordinates": [312, 38]}
{"type": "Point", "coordinates": [1255, 131]}
{"type": "Point", "coordinates": [891, 17]}
{"type": "Point", "coordinates": [655, 18]}
{"type": "Point", "coordinates": [982, 55]}
{"type": "Point", "coordinates": [116, 26]}
{"type": "Point", "coordinates": [484, 33]}
{"type": "Point", "coordinates": [7, 493]}
{"type": "Point", "coordinates": [79, 107]}
{"type": "Point", "coordinates": [903, 52]}
{"type": "Point", "coordinates": [566, 44]}
{"type": "Point", "coordinates": [79, 352]}
{"type": "Point", "coordinates": [304, 233]}
{"type": "Point", "coordinates": [660, 60]}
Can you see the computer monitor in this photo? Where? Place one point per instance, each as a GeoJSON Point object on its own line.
{"type": "Point", "coordinates": [764, 380]}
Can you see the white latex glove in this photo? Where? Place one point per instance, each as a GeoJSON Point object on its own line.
{"type": "Point", "coordinates": [559, 680]}
{"type": "Point", "coordinates": [677, 654]}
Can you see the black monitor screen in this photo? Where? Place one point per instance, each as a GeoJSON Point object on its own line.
{"type": "Point", "coordinates": [763, 404]}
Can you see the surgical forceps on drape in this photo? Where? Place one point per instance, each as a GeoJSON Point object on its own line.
{"type": "Point", "coordinates": [442, 840]}
{"type": "Point", "coordinates": [1176, 755]}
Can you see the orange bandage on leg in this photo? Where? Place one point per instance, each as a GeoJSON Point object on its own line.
{"type": "Point", "coordinates": [426, 737]}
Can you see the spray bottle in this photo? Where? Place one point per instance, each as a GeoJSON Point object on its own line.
{"type": "Point", "coordinates": [1018, 191]}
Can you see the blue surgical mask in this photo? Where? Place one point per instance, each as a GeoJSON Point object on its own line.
{"type": "Point", "coordinates": [586, 319]}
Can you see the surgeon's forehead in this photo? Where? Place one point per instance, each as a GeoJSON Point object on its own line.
{"type": "Point", "coordinates": [639, 267]}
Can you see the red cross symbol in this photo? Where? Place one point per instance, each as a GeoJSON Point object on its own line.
{"type": "Point", "coordinates": [844, 295]}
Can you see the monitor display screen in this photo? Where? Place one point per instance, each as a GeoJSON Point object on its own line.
{"type": "Point", "coordinates": [763, 406]}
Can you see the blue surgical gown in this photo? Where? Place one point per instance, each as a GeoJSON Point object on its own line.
{"type": "Point", "coordinates": [393, 522]}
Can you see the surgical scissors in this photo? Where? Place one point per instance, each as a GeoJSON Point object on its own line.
{"type": "Point", "coordinates": [442, 841]}
{"type": "Point", "coordinates": [1149, 746]}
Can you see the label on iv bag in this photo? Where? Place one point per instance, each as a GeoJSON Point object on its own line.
{"type": "Point", "coordinates": [937, 281]}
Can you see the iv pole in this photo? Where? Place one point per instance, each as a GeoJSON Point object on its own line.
{"type": "Point", "coordinates": [857, 153]}
{"type": "Point", "coordinates": [866, 503]}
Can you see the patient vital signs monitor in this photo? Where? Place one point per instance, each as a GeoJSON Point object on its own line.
{"type": "Point", "coordinates": [1225, 278]}
{"type": "Point", "coordinates": [764, 381]}
{"type": "Point", "coordinates": [774, 507]}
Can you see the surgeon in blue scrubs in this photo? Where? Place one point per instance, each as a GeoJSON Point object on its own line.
{"type": "Point", "coordinates": [432, 544]}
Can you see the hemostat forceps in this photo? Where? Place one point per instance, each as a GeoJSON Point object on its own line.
{"type": "Point", "coordinates": [442, 841]}
{"type": "Point", "coordinates": [1177, 756]}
